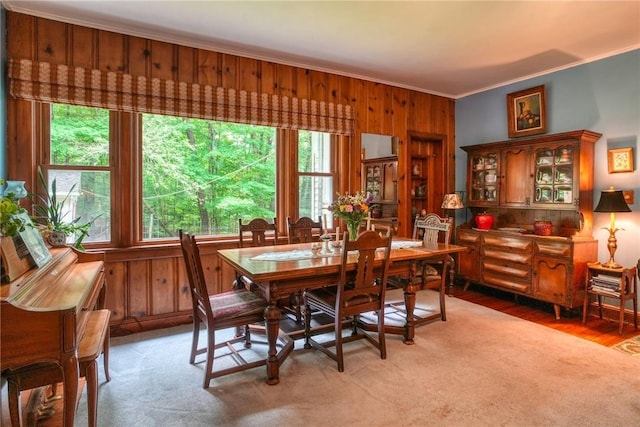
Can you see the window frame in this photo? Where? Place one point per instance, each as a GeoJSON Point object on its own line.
{"type": "Point", "coordinates": [43, 161]}
{"type": "Point", "coordinates": [125, 168]}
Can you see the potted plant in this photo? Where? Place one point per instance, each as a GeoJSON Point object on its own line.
{"type": "Point", "coordinates": [51, 213]}
{"type": "Point", "coordinates": [11, 219]}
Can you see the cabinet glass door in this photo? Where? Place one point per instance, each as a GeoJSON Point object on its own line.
{"type": "Point", "coordinates": [484, 178]}
{"type": "Point", "coordinates": [373, 181]}
{"type": "Point", "coordinates": [554, 175]}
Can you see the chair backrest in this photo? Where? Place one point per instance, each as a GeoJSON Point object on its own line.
{"type": "Point", "coordinates": [383, 230]}
{"type": "Point", "coordinates": [195, 275]}
{"type": "Point", "coordinates": [258, 228]}
{"type": "Point", "coordinates": [363, 290]}
{"type": "Point", "coordinates": [301, 231]}
{"type": "Point", "coordinates": [432, 229]}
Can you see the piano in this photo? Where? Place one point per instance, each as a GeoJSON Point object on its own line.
{"type": "Point", "coordinates": [43, 316]}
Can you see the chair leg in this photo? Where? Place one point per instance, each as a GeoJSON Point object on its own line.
{"type": "Point", "coordinates": [211, 347]}
{"type": "Point", "coordinates": [338, 331]}
{"type": "Point", "coordinates": [247, 337]}
{"type": "Point", "coordinates": [307, 325]}
{"type": "Point", "coordinates": [298, 306]}
{"type": "Point", "coordinates": [443, 310]}
{"type": "Point", "coordinates": [195, 338]}
{"type": "Point", "coordinates": [382, 342]}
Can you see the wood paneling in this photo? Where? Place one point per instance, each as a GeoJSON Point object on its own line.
{"type": "Point", "coordinates": [163, 286]}
{"type": "Point", "coordinates": [147, 289]}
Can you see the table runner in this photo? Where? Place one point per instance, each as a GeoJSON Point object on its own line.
{"type": "Point", "coordinates": [299, 254]}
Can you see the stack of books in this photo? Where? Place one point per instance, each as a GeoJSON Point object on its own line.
{"type": "Point", "coordinates": [605, 284]}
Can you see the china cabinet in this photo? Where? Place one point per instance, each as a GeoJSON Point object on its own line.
{"type": "Point", "coordinates": [380, 178]}
{"type": "Point", "coordinates": [516, 180]}
{"type": "Point", "coordinates": [550, 172]}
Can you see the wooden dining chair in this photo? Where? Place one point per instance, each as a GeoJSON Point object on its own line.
{"type": "Point", "coordinates": [262, 232]}
{"type": "Point", "coordinates": [237, 308]}
{"type": "Point", "coordinates": [432, 229]}
{"type": "Point", "coordinates": [357, 292]}
{"type": "Point", "coordinates": [302, 230]}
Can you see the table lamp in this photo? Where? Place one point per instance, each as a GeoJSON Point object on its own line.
{"type": "Point", "coordinates": [612, 201]}
{"type": "Point", "coordinates": [452, 201]}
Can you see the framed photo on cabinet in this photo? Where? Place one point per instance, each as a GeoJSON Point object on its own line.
{"type": "Point", "coordinates": [620, 160]}
{"type": "Point", "coordinates": [526, 112]}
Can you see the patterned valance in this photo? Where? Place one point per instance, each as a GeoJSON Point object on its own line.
{"type": "Point", "coordinates": [46, 82]}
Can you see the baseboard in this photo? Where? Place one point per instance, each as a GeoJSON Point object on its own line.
{"type": "Point", "coordinates": [612, 313]}
{"type": "Point", "coordinates": [121, 327]}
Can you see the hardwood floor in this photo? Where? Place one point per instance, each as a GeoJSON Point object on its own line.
{"type": "Point", "coordinates": [603, 331]}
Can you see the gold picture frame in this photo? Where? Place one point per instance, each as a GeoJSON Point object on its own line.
{"type": "Point", "coordinates": [620, 160]}
{"type": "Point", "coordinates": [526, 112]}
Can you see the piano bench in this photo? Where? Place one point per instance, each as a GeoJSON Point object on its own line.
{"type": "Point", "coordinates": [95, 341]}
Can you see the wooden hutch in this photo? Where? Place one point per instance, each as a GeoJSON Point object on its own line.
{"type": "Point", "coordinates": [521, 181]}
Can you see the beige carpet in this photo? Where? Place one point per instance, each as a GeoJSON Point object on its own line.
{"type": "Point", "coordinates": [480, 367]}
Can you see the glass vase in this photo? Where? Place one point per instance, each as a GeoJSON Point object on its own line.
{"type": "Point", "coordinates": [353, 227]}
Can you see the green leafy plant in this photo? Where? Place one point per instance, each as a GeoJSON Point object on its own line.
{"type": "Point", "coordinates": [11, 222]}
{"type": "Point", "coordinates": [51, 213]}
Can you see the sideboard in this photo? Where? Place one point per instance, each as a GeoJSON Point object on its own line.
{"type": "Point", "coordinates": [551, 269]}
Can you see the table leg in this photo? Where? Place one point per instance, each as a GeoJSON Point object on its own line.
{"type": "Point", "coordinates": [272, 320]}
{"type": "Point", "coordinates": [410, 305]}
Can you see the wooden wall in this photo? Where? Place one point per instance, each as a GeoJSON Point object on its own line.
{"type": "Point", "coordinates": [147, 285]}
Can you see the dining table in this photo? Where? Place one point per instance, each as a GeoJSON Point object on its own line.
{"type": "Point", "coordinates": [281, 270]}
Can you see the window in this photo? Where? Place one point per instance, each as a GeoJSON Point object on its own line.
{"type": "Point", "coordinates": [315, 175]}
{"type": "Point", "coordinates": [172, 172]}
{"type": "Point", "coordinates": [79, 161]}
{"type": "Point", "coordinates": [203, 175]}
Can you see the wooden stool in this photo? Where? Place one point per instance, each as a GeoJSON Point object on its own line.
{"type": "Point", "coordinates": [95, 341]}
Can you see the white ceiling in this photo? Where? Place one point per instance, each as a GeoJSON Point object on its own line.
{"type": "Point", "coordinates": [450, 48]}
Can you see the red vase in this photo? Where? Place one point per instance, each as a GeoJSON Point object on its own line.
{"type": "Point", "coordinates": [543, 228]}
{"type": "Point", "coordinates": [484, 221]}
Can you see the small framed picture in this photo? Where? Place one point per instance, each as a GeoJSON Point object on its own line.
{"type": "Point", "coordinates": [526, 112]}
{"type": "Point", "coordinates": [620, 160]}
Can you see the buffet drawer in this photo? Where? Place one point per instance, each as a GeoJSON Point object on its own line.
{"type": "Point", "coordinates": [562, 249]}
{"type": "Point", "coordinates": [498, 280]}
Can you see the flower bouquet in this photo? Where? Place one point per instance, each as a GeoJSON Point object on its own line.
{"type": "Point", "coordinates": [352, 208]}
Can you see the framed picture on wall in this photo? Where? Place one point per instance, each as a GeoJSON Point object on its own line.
{"type": "Point", "coordinates": [526, 112]}
{"type": "Point", "coordinates": [620, 160]}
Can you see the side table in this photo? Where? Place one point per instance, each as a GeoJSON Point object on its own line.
{"type": "Point", "coordinates": [615, 283]}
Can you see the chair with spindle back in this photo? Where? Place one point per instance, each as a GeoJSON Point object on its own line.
{"type": "Point", "coordinates": [432, 229]}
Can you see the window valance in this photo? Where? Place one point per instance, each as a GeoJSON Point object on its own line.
{"type": "Point", "coordinates": [46, 82]}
